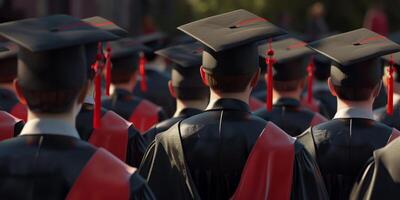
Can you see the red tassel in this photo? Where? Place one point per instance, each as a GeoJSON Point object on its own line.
{"type": "Point", "coordinates": [310, 70]}
{"type": "Point", "coordinates": [108, 69]}
{"type": "Point", "coordinates": [142, 71]}
{"type": "Point", "coordinates": [390, 91]}
{"type": "Point", "coordinates": [97, 89]}
{"type": "Point", "coordinates": [270, 63]}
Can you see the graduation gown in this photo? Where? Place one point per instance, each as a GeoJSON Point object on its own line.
{"type": "Point", "coordinates": [10, 126]}
{"type": "Point", "coordinates": [49, 166]}
{"type": "Point", "coordinates": [381, 115]}
{"type": "Point", "coordinates": [115, 134]}
{"type": "Point", "coordinates": [290, 116]}
{"type": "Point", "coordinates": [157, 91]}
{"type": "Point", "coordinates": [142, 113]}
{"type": "Point", "coordinates": [341, 148]}
{"type": "Point", "coordinates": [381, 178]}
{"type": "Point", "coordinates": [166, 124]}
{"type": "Point", "coordinates": [203, 157]}
{"type": "Point", "coordinates": [10, 103]}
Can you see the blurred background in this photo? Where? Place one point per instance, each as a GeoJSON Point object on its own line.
{"type": "Point", "coordinates": [145, 16]}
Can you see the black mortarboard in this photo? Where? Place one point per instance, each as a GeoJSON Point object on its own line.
{"type": "Point", "coordinates": [322, 67]}
{"type": "Point", "coordinates": [51, 52]}
{"type": "Point", "coordinates": [125, 53]}
{"type": "Point", "coordinates": [187, 62]}
{"type": "Point", "coordinates": [155, 41]}
{"type": "Point", "coordinates": [291, 58]}
{"type": "Point", "coordinates": [8, 62]}
{"type": "Point", "coordinates": [230, 40]}
{"type": "Point", "coordinates": [355, 56]}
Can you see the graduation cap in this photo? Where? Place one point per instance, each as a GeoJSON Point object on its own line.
{"type": "Point", "coordinates": [51, 52]}
{"type": "Point", "coordinates": [187, 62]}
{"type": "Point", "coordinates": [355, 57]}
{"type": "Point", "coordinates": [8, 62]}
{"type": "Point", "coordinates": [322, 67]}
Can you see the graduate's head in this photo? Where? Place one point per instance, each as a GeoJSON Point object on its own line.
{"type": "Point", "coordinates": [230, 56]}
{"type": "Point", "coordinates": [356, 72]}
{"type": "Point", "coordinates": [52, 63]}
{"type": "Point", "coordinates": [8, 62]}
{"type": "Point", "coordinates": [395, 59]}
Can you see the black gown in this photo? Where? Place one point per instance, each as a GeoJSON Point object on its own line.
{"type": "Point", "coordinates": [381, 179]}
{"type": "Point", "coordinates": [341, 148]}
{"type": "Point", "coordinates": [125, 104]}
{"type": "Point", "coordinates": [136, 143]}
{"type": "Point", "coordinates": [390, 120]}
{"type": "Point", "coordinates": [288, 114]}
{"type": "Point", "coordinates": [166, 124]}
{"type": "Point", "coordinates": [7, 100]}
{"type": "Point", "coordinates": [46, 166]}
{"type": "Point", "coordinates": [157, 91]}
{"type": "Point", "coordinates": [202, 157]}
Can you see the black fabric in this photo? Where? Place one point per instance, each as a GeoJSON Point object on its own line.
{"type": "Point", "coordinates": [8, 100]}
{"type": "Point", "coordinates": [136, 143]}
{"type": "Point", "coordinates": [341, 148]}
{"type": "Point", "coordinates": [124, 103]}
{"type": "Point", "coordinates": [381, 115]}
{"type": "Point", "coordinates": [288, 114]}
{"type": "Point", "coordinates": [196, 156]}
{"type": "Point", "coordinates": [106, 25]}
{"type": "Point", "coordinates": [380, 179]}
{"type": "Point", "coordinates": [328, 101]}
{"type": "Point", "coordinates": [157, 91]}
{"type": "Point", "coordinates": [139, 188]}
{"type": "Point", "coordinates": [166, 124]}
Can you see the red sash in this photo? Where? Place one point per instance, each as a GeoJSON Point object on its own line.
{"type": "Point", "coordinates": [311, 106]}
{"type": "Point", "coordinates": [112, 135]}
{"type": "Point", "coordinates": [7, 124]}
{"type": "Point", "coordinates": [20, 111]}
{"type": "Point", "coordinates": [317, 119]}
{"type": "Point", "coordinates": [395, 134]}
{"type": "Point", "coordinates": [104, 177]}
{"type": "Point", "coordinates": [255, 104]}
{"type": "Point", "coordinates": [269, 169]}
{"type": "Point", "coordinates": [145, 116]}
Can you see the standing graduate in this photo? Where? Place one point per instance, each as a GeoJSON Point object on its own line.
{"type": "Point", "coordinates": [97, 125]}
{"type": "Point", "coordinates": [381, 177]}
{"type": "Point", "coordinates": [292, 59]}
{"type": "Point", "coordinates": [343, 145]}
{"type": "Point", "coordinates": [391, 79]}
{"type": "Point", "coordinates": [126, 57]}
{"type": "Point", "coordinates": [186, 85]}
{"type": "Point", "coordinates": [226, 152]}
{"type": "Point", "coordinates": [49, 160]}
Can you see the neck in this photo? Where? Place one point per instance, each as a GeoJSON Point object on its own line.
{"type": "Point", "coordinates": [122, 86]}
{"type": "Point", "coordinates": [279, 95]}
{"type": "Point", "coordinates": [242, 96]}
{"type": "Point", "coordinates": [7, 86]}
{"type": "Point", "coordinates": [196, 104]}
{"type": "Point", "coordinates": [68, 118]}
{"type": "Point", "coordinates": [365, 105]}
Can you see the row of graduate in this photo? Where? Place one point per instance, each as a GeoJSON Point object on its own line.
{"type": "Point", "coordinates": [220, 153]}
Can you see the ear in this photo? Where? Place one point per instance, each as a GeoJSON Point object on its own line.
{"type": "Point", "coordinates": [18, 91]}
{"type": "Point", "coordinates": [83, 93]}
{"type": "Point", "coordinates": [203, 76]}
{"type": "Point", "coordinates": [254, 80]}
{"type": "Point", "coordinates": [171, 89]}
{"type": "Point", "coordinates": [331, 88]}
{"type": "Point", "coordinates": [377, 90]}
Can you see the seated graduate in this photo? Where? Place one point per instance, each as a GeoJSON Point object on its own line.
{"type": "Point", "coordinates": [49, 160]}
{"type": "Point", "coordinates": [226, 152]}
{"type": "Point", "coordinates": [343, 145]}
{"type": "Point", "coordinates": [186, 85]}
{"type": "Point", "coordinates": [288, 75]}
{"type": "Point", "coordinates": [391, 79]}
{"type": "Point", "coordinates": [381, 178]}
{"type": "Point", "coordinates": [126, 56]}
{"type": "Point", "coordinates": [102, 127]}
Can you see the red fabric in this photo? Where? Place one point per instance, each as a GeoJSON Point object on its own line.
{"type": "Point", "coordinates": [145, 116]}
{"type": "Point", "coordinates": [255, 104]}
{"type": "Point", "coordinates": [7, 124]}
{"type": "Point", "coordinates": [395, 134]}
{"type": "Point", "coordinates": [20, 111]}
{"type": "Point", "coordinates": [112, 135]}
{"type": "Point", "coordinates": [269, 169]}
{"type": "Point", "coordinates": [314, 106]}
{"type": "Point", "coordinates": [104, 177]}
{"type": "Point", "coordinates": [317, 119]}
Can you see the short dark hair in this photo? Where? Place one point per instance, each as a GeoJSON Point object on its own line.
{"type": "Point", "coordinates": [192, 93]}
{"type": "Point", "coordinates": [354, 93]}
{"type": "Point", "coordinates": [228, 83]}
{"type": "Point", "coordinates": [122, 76]}
{"type": "Point", "coordinates": [8, 70]}
{"type": "Point", "coordinates": [52, 102]}
{"type": "Point", "coordinates": [287, 86]}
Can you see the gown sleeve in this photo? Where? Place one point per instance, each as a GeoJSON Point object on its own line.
{"type": "Point", "coordinates": [307, 179]}
{"type": "Point", "coordinates": [136, 147]}
{"type": "Point", "coordinates": [139, 188]}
